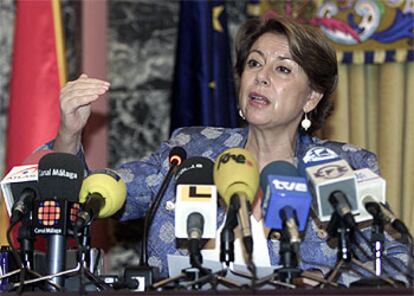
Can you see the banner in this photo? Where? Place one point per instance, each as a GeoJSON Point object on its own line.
{"type": "Point", "coordinates": [362, 31]}
{"type": "Point", "coordinates": [203, 91]}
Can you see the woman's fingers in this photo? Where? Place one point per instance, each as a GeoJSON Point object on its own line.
{"type": "Point", "coordinates": [82, 85]}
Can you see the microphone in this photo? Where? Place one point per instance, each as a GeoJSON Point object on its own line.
{"type": "Point", "coordinates": [60, 179]}
{"type": "Point", "coordinates": [195, 193]}
{"type": "Point", "coordinates": [103, 193]}
{"type": "Point", "coordinates": [26, 191]}
{"type": "Point", "coordinates": [236, 176]}
{"type": "Point", "coordinates": [290, 223]}
{"type": "Point", "coordinates": [342, 207]}
{"type": "Point", "coordinates": [328, 173]}
{"type": "Point", "coordinates": [368, 184]}
{"type": "Point", "coordinates": [24, 204]}
{"type": "Point", "coordinates": [175, 158]}
{"type": "Point", "coordinates": [196, 205]}
{"type": "Point", "coordinates": [20, 182]}
{"type": "Point", "coordinates": [381, 212]}
{"type": "Point", "coordinates": [286, 203]}
{"type": "Point", "coordinates": [195, 226]}
{"type": "Point", "coordinates": [20, 190]}
{"type": "Point", "coordinates": [227, 236]}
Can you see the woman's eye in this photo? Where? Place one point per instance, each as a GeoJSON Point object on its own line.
{"type": "Point", "coordinates": [283, 69]}
{"type": "Point", "coordinates": [253, 63]}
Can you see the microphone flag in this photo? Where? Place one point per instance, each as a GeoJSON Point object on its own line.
{"type": "Point", "coordinates": [195, 193]}
{"type": "Point", "coordinates": [327, 173]}
{"type": "Point", "coordinates": [283, 187]}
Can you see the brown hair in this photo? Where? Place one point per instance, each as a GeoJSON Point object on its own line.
{"type": "Point", "coordinates": [308, 47]}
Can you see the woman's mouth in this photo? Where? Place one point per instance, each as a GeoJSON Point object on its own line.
{"type": "Point", "coordinates": [258, 99]}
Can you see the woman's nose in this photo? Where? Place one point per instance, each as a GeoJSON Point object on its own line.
{"type": "Point", "coordinates": [262, 77]}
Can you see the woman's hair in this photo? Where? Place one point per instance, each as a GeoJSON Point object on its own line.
{"type": "Point", "coordinates": [308, 47]}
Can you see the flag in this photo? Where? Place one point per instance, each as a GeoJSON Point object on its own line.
{"type": "Point", "coordinates": [203, 90]}
{"type": "Point", "coordinates": [38, 73]}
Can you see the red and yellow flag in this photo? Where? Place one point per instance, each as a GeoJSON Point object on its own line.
{"type": "Point", "coordinates": [38, 73]}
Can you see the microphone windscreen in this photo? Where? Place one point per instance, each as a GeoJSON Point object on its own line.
{"type": "Point", "coordinates": [60, 176]}
{"type": "Point", "coordinates": [285, 193]}
{"type": "Point", "coordinates": [177, 155]}
{"type": "Point", "coordinates": [279, 167]}
{"type": "Point", "coordinates": [35, 157]}
{"type": "Point", "coordinates": [195, 170]}
{"type": "Point", "coordinates": [110, 186]}
{"type": "Point", "coordinates": [236, 171]}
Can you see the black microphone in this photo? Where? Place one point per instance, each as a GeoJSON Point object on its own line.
{"type": "Point", "coordinates": [195, 193]}
{"type": "Point", "coordinates": [22, 211]}
{"type": "Point", "coordinates": [195, 229]}
{"type": "Point", "coordinates": [195, 226]}
{"type": "Point", "coordinates": [195, 205]}
{"type": "Point", "coordinates": [24, 204]}
{"type": "Point", "coordinates": [379, 211]}
{"type": "Point", "coordinates": [227, 235]}
{"type": "Point", "coordinates": [175, 158]}
{"type": "Point", "coordinates": [60, 179]}
{"type": "Point", "coordinates": [342, 207]}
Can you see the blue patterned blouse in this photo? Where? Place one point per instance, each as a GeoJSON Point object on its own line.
{"type": "Point", "coordinates": [143, 178]}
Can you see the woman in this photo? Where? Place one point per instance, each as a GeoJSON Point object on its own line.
{"type": "Point", "coordinates": [286, 74]}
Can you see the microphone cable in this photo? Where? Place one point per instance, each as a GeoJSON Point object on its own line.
{"type": "Point", "coordinates": [410, 266]}
{"type": "Point", "coordinates": [22, 273]}
{"type": "Point", "coordinates": [23, 269]}
{"type": "Point", "coordinates": [388, 260]}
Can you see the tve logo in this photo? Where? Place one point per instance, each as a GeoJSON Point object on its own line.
{"type": "Point", "coordinates": [289, 185]}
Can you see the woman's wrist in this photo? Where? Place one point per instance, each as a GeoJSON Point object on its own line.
{"type": "Point", "coordinates": [68, 143]}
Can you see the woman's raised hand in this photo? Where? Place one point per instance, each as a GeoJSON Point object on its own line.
{"type": "Point", "coordinates": [75, 108]}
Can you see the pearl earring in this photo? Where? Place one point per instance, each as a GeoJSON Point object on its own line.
{"type": "Point", "coordinates": [306, 123]}
{"type": "Point", "coordinates": [241, 114]}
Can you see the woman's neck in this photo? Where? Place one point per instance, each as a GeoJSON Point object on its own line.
{"type": "Point", "coordinates": [269, 145]}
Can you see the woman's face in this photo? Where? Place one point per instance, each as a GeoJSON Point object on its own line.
{"type": "Point", "coordinates": [274, 89]}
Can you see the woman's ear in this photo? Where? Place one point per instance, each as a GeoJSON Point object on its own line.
{"type": "Point", "coordinates": [313, 100]}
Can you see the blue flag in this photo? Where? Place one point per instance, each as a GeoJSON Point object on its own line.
{"type": "Point", "coordinates": [204, 91]}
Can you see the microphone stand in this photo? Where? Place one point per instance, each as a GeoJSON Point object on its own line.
{"type": "Point", "coordinates": [377, 240]}
{"type": "Point", "coordinates": [288, 260]}
{"type": "Point", "coordinates": [197, 275]}
{"type": "Point", "coordinates": [196, 271]}
{"type": "Point", "coordinates": [84, 260]}
{"type": "Point", "coordinates": [26, 241]}
{"type": "Point", "coordinates": [345, 259]}
{"type": "Point", "coordinates": [22, 267]}
{"type": "Point", "coordinates": [149, 273]}
{"type": "Point", "coordinates": [289, 274]}
{"type": "Point", "coordinates": [26, 246]}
